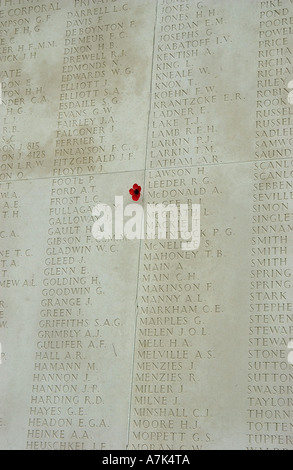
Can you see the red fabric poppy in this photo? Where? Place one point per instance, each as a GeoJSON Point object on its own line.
{"type": "Point", "coordinates": [135, 192]}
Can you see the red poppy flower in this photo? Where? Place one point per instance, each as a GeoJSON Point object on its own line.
{"type": "Point", "coordinates": [135, 192]}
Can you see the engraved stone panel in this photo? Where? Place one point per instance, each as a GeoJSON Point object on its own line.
{"type": "Point", "coordinates": [140, 340]}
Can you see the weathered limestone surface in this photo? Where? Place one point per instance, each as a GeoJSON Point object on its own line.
{"type": "Point", "coordinates": [139, 344]}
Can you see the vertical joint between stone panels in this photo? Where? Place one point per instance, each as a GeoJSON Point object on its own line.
{"type": "Point", "coordinates": [141, 241]}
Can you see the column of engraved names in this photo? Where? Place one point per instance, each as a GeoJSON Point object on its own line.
{"type": "Point", "coordinates": [184, 131]}
{"type": "Point", "coordinates": [19, 248]}
{"type": "Point", "coordinates": [271, 311]}
{"type": "Point", "coordinates": [66, 402]}
{"type": "Point", "coordinates": [24, 41]}
{"type": "Point", "coordinates": [177, 307]}
{"type": "Point", "coordinates": [11, 253]}
{"type": "Point", "coordinates": [12, 215]}
{"type": "Point", "coordinates": [95, 76]}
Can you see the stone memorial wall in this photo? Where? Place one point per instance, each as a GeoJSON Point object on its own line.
{"type": "Point", "coordinates": [135, 342]}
